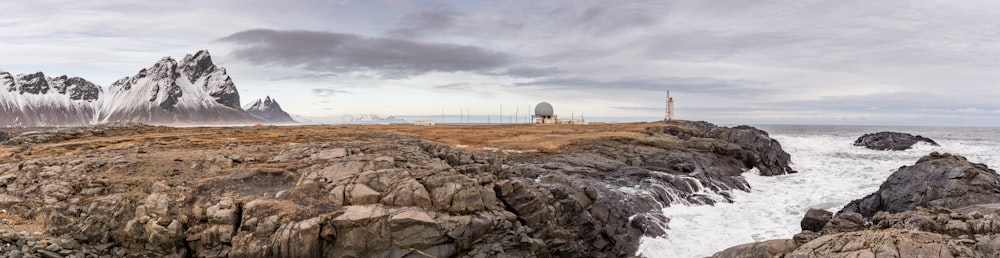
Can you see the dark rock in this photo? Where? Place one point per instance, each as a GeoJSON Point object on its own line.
{"type": "Point", "coordinates": [815, 219]}
{"type": "Point", "coordinates": [34, 83]}
{"type": "Point", "coordinates": [76, 88]}
{"type": "Point", "coordinates": [755, 149]}
{"type": "Point", "coordinates": [4, 137]}
{"type": "Point", "coordinates": [943, 180]}
{"type": "Point", "coordinates": [891, 141]}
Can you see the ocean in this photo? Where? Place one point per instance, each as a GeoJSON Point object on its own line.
{"type": "Point", "coordinates": [831, 173]}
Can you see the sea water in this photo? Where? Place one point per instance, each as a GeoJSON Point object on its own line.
{"type": "Point", "coordinates": [831, 173]}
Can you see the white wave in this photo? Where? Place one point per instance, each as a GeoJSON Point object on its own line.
{"type": "Point", "coordinates": [832, 172]}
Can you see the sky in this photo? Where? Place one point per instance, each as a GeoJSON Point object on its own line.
{"type": "Point", "coordinates": [886, 62]}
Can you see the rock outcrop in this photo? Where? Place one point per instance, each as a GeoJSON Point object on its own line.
{"type": "Point", "coordinates": [942, 206]}
{"type": "Point", "coordinates": [369, 194]}
{"type": "Point", "coordinates": [937, 180]}
{"type": "Point", "coordinates": [269, 110]}
{"type": "Point", "coordinates": [752, 146]}
{"type": "Point", "coordinates": [891, 141]}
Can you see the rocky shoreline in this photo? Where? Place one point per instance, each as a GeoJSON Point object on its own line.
{"type": "Point", "coordinates": [138, 191]}
{"type": "Point", "coordinates": [941, 206]}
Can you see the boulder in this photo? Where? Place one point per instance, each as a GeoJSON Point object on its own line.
{"type": "Point", "coordinates": [891, 141]}
{"type": "Point", "coordinates": [943, 180]}
{"type": "Point", "coordinates": [815, 219]}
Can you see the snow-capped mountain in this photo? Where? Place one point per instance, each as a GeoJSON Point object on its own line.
{"type": "Point", "coordinates": [193, 91]}
{"type": "Point", "coordinates": [269, 110]}
{"type": "Point", "coordinates": [35, 99]}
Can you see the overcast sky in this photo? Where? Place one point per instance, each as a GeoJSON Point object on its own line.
{"type": "Point", "coordinates": [758, 62]}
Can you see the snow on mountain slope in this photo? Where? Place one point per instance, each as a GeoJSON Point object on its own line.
{"type": "Point", "coordinates": [269, 110]}
{"type": "Point", "coordinates": [194, 91]}
{"type": "Point", "coordinates": [37, 100]}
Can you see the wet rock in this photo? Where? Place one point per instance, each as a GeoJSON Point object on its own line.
{"type": "Point", "coordinates": [756, 148]}
{"type": "Point", "coordinates": [891, 141]}
{"type": "Point", "coordinates": [943, 180]}
{"type": "Point", "coordinates": [815, 219]}
{"type": "Point", "coordinates": [942, 206]}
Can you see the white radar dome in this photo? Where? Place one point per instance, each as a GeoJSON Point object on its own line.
{"type": "Point", "coordinates": [543, 109]}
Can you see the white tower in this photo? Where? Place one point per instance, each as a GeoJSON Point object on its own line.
{"type": "Point", "coordinates": [670, 107]}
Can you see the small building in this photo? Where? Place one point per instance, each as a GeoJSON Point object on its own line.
{"type": "Point", "coordinates": [423, 123]}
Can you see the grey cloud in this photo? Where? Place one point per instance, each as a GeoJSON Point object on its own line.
{"type": "Point", "coordinates": [305, 76]}
{"type": "Point", "coordinates": [343, 53]}
{"type": "Point", "coordinates": [453, 86]}
{"type": "Point", "coordinates": [604, 16]}
{"type": "Point", "coordinates": [532, 71]}
{"type": "Point", "coordinates": [709, 45]}
{"type": "Point", "coordinates": [329, 92]}
{"type": "Point", "coordinates": [891, 101]}
{"type": "Point", "coordinates": [417, 24]}
{"type": "Point", "coordinates": [686, 84]}
{"type": "Point", "coordinates": [640, 108]}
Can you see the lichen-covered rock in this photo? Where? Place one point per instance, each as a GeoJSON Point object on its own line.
{"type": "Point", "coordinates": [767, 249]}
{"type": "Point", "coordinates": [893, 243]}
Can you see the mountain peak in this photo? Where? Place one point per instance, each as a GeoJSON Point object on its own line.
{"type": "Point", "coordinates": [198, 64]}
{"type": "Point", "coordinates": [269, 110]}
{"type": "Point", "coordinates": [203, 73]}
{"type": "Point", "coordinates": [190, 90]}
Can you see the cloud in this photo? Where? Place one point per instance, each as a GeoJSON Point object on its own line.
{"type": "Point", "coordinates": [453, 86]}
{"type": "Point", "coordinates": [532, 71]}
{"type": "Point", "coordinates": [420, 23]}
{"type": "Point", "coordinates": [345, 53]}
{"type": "Point", "coordinates": [607, 17]}
{"type": "Point", "coordinates": [328, 92]}
{"type": "Point", "coordinates": [691, 85]}
{"type": "Point", "coordinates": [904, 101]}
